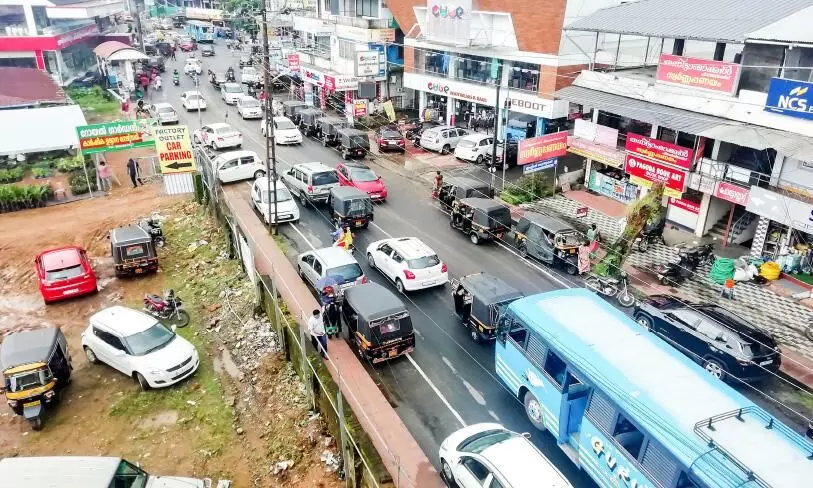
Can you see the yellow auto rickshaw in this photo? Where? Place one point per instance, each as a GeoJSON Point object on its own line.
{"type": "Point", "coordinates": [36, 366]}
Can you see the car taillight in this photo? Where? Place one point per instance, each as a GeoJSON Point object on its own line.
{"type": "Point", "coordinates": [363, 280]}
{"type": "Point", "coordinates": [220, 139]}
{"type": "Point", "coordinates": [310, 188]}
{"type": "Point", "coordinates": [409, 274]}
{"type": "Point", "coordinates": [443, 268]}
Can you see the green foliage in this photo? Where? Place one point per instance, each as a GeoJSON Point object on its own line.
{"type": "Point", "coordinates": [528, 188]}
{"type": "Point", "coordinates": [95, 99]}
{"type": "Point", "coordinates": [78, 182]}
{"type": "Point", "coordinates": [41, 172]}
{"type": "Point", "coordinates": [11, 175]}
{"type": "Point", "coordinates": [68, 164]}
{"type": "Point", "coordinates": [19, 197]}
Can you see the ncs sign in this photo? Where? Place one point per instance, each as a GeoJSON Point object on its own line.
{"type": "Point", "coordinates": [672, 179]}
{"type": "Point", "coordinates": [542, 148]}
{"type": "Point", "coordinates": [791, 98]}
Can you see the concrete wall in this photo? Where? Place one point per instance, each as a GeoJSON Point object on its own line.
{"type": "Point", "coordinates": [717, 210]}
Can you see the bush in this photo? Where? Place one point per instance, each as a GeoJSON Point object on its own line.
{"type": "Point", "coordinates": [78, 183]}
{"type": "Point", "coordinates": [11, 175]}
{"type": "Point", "coordinates": [70, 163]}
{"type": "Point", "coordinates": [528, 188]}
{"type": "Point", "coordinates": [40, 172]}
{"type": "Point", "coordinates": [19, 197]}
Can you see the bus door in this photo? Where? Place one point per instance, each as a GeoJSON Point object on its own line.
{"type": "Point", "coordinates": [574, 403]}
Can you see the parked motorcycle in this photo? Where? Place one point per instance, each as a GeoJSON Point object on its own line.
{"type": "Point", "coordinates": [678, 270]}
{"type": "Point", "coordinates": [153, 226]}
{"type": "Point", "coordinates": [612, 287]}
{"type": "Point", "coordinates": [168, 309]}
{"type": "Point", "coordinates": [650, 235]}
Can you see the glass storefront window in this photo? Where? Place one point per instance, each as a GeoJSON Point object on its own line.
{"type": "Point", "coordinates": [758, 79]}
{"type": "Point", "coordinates": [76, 60]}
{"type": "Point", "coordinates": [40, 19]}
{"type": "Point", "coordinates": [476, 68]}
{"type": "Point", "coordinates": [18, 62]}
{"type": "Point", "coordinates": [436, 62]}
{"type": "Point", "coordinates": [624, 125]}
{"type": "Point", "coordinates": [798, 63]}
{"type": "Point", "coordinates": [12, 21]}
{"type": "Point", "coordinates": [524, 76]}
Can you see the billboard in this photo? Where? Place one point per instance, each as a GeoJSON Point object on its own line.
{"type": "Point", "coordinates": [116, 136]}
{"type": "Point", "coordinates": [174, 148]}
{"type": "Point", "coordinates": [660, 151]}
{"type": "Point", "coordinates": [790, 97]}
{"type": "Point", "coordinates": [645, 172]}
{"type": "Point", "coordinates": [541, 148]}
{"type": "Point", "coordinates": [448, 22]}
{"type": "Point", "coordinates": [705, 74]}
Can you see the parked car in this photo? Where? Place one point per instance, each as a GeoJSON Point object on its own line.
{"type": "Point", "coordinates": [64, 272]}
{"type": "Point", "coordinates": [238, 165]}
{"type": "Point", "coordinates": [285, 132]}
{"type": "Point", "coordinates": [511, 151]}
{"type": "Point", "coordinates": [249, 75]}
{"type": "Point", "coordinates": [725, 344]}
{"type": "Point", "coordinates": [330, 261]}
{"type": "Point", "coordinates": [474, 148]}
{"type": "Point", "coordinates": [218, 136]}
{"type": "Point", "coordinates": [389, 139]}
{"type": "Point", "coordinates": [249, 107]}
{"type": "Point", "coordinates": [442, 139]}
{"type": "Point", "coordinates": [164, 113]}
{"type": "Point", "coordinates": [489, 455]}
{"type": "Point", "coordinates": [287, 210]}
{"type": "Point", "coordinates": [207, 50]}
{"type": "Point", "coordinates": [245, 60]}
{"type": "Point", "coordinates": [139, 346]}
{"type": "Point", "coordinates": [230, 92]}
{"type": "Point", "coordinates": [156, 62]}
{"type": "Point", "coordinates": [193, 100]}
{"type": "Point", "coordinates": [407, 262]}
{"type": "Point", "coordinates": [311, 182]}
{"type": "Point", "coordinates": [362, 177]}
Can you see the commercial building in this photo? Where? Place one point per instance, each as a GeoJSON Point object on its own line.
{"type": "Point", "coordinates": [56, 36]}
{"type": "Point", "coordinates": [712, 98]}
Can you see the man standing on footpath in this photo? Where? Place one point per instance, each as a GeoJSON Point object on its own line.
{"type": "Point", "coordinates": [134, 170]}
{"type": "Point", "coordinates": [104, 177]}
{"type": "Point", "coordinates": [316, 328]}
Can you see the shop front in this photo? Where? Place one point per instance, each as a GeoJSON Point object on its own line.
{"type": "Point", "coordinates": [329, 90]}
{"type": "Point", "coordinates": [786, 224]}
{"type": "Point", "coordinates": [605, 162]}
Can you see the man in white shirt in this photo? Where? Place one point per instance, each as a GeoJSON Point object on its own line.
{"type": "Point", "coordinates": [316, 328]}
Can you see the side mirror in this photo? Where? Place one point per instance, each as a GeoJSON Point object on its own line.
{"type": "Point", "coordinates": [174, 327]}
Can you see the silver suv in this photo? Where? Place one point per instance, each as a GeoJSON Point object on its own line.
{"type": "Point", "coordinates": [311, 182]}
{"type": "Point", "coordinates": [442, 139]}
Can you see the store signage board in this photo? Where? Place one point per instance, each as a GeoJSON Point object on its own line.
{"type": "Point", "coordinates": [790, 97]}
{"type": "Point", "coordinates": [673, 179]}
{"type": "Point", "coordinates": [367, 63]}
{"type": "Point", "coordinates": [359, 108]}
{"type": "Point", "coordinates": [684, 204]}
{"type": "Point", "coordinates": [174, 148]}
{"type": "Point", "coordinates": [448, 22]}
{"type": "Point", "coordinates": [542, 148]}
{"type": "Point", "coordinates": [732, 193]}
{"type": "Point", "coordinates": [293, 62]}
{"type": "Point", "coordinates": [539, 166]}
{"type": "Point", "coordinates": [663, 152]}
{"type": "Point", "coordinates": [340, 82]}
{"type": "Point", "coordinates": [599, 134]}
{"type": "Point", "coordinates": [602, 154]}
{"type": "Point", "coordinates": [705, 74]}
{"type": "Point", "coordinates": [312, 76]}
{"type": "Point", "coordinates": [116, 136]}
{"type": "Point", "coordinates": [780, 208]}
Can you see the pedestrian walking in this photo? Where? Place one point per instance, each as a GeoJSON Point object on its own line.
{"type": "Point", "coordinates": [316, 328]}
{"type": "Point", "coordinates": [134, 170]}
{"type": "Point", "coordinates": [104, 177]}
{"type": "Point", "coordinates": [172, 53]}
{"type": "Point", "coordinates": [594, 236]}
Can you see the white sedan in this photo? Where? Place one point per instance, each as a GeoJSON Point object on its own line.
{"type": "Point", "coordinates": [249, 107]}
{"type": "Point", "coordinates": [249, 75]}
{"type": "Point", "coordinates": [218, 136]}
{"type": "Point", "coordinates": [408, 263]}
{"type": "Point", "coordinates": [192, 66]}
{"type": "Point", "coordinates": [193, 100]}
{"type": "Point", "coordinates": [231, 92]}
{"type": "Point", "coordinates": [287, 210]}
{"type": "Point", "coordinates": [165, 113]}
{"type": "Point", "coordinates": [285, 132]}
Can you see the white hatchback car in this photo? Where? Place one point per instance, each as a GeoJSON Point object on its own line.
{"type": "Point", "coordinates": [165, 113]}
{"type": "Point", "coordinates": [139, 346]}
{"type": "Point", "coordinates": [287, 210]}
{"type": "Point", "coordinates": [192, 67]}
{"type": "Point", "coordinates": [442, 139]}
{"type": "Point", "coordinates": [193, 100]}
{"type": "Point", "coordinates": [217, 136]}
{"type": "Point", "coordinates": [330, 261]}
{"type": "Point", "coordinates": [488, 455]}
{"type": "Point", "coordinates": [474, 148]}
{"type": "Point", "coordinates": [407, 262]}
{"type": "Point", "coordinates": [249, 75]}
{"type": "Point", "coordinates": [285, 132]}
{"type": "Point", "coordinates": [238, 165]}
{"type": "Point", "coordinates": [231, 92]}
{"type": "Point", "coordinates": [249, 107]}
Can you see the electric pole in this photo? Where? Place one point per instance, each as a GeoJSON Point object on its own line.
{"type": "Point", "coordinates": [270, 146]}
{"type": "Point", "coordinates": [493, 168]}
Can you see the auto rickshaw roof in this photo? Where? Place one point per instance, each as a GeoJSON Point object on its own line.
{"type": "Point", "coordinates": [332, 120]}
{"type": "Point", "coordinates": [347, 193]}
{"type": "Point", "coordinates": [349, 131]}
{"type": "Point", "coordinates": [372, 301]}
{"type": "Point", "coordinates": [463, 182]}
{"type": "Point", "coordinates": [311, 111]}
{"type": "Point", "coordinates": [488, 288]}
{"type": "Point", "coordinates": [487, 205]}
{"type": "Point", "coordinates": [29, 346]}
{"type": "Point", "coordinates": [546, 221]}
{"type": "Point", "coordinates": [293, 103]}
{"type": "Point", "coordinates": [132, 234]}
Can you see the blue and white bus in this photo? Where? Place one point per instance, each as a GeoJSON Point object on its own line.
{"type": "Point", "coordinates": [201, 32]}
{"type": "Point", "coordinates": [630, 410]}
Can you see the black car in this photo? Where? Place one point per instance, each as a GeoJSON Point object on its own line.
{"type": "Point", "coordinates": [156, 62]}
{"type": "Point", "coordinates": [150, 49]}
{"type": "Point", "coordinates": [207, 50]}
{"type": "Point", "coordinates": [719, 340]}
{"type": "Point", "coordinates": [246, 61]}
{"type": "Point", "coordinates": [513, 149]}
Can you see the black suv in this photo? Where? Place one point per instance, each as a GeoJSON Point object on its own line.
{"type": "Point", "coordinates": [719, 340]}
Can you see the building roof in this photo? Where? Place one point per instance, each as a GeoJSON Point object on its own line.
{"type": "Point", "coordinates": [107, 48]}
{"type": "Point", "coordinates": [28, 86]}
{"type": "Point", "coordinates": [64, 471]}
{"type": "Point", "coordinates": [793, 29]}
{"type": "Point", "coordinates": [707, 20]}
{"type": "Point", "coordinates": [23, 128]}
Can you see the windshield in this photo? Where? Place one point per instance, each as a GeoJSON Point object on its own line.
{"type": "Point", "coordinates": [63, 273]}
{"type": "Point", "coordinates": [284, 124]}
{"type": "Point", "coordinates": [233, 88]}
{"type": "Point", "coordinates": [482, 441]}
{"type": "Point", "coordinates": [29, 379]}
{"type": "Point", "coordinates": [466, 143]}
{"type": "Point", "coordinates": [166, 110]}
{"type": "Point", "coordinates": [325, 178]}
{"type": "Point", "coordinates": [424, 262]}
{"type": "Point", "coordinates": [391, 134]}
{"type": "Point", "coordinates": [250, 102]}
{"type": "Point", "coordinates": [359, 141]}
{"type": "Point", "coordinates": [363, 174]}
{"type": "Point", "coordinates": [346, 273]}
{"type": "Point", "coordinates": [134, 251]}
{"type": "Point", "coordinates": [568, 238]}
{"type": "Point", "coordinates": [129, 476]}
{"type": "Point", "coordinates": [149, 340]}
{"type": "Point", "coordinates": [282, 195]}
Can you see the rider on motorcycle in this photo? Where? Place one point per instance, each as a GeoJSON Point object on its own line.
{"type": "Point", "coordinates": [345, 240]}
{"type": "Point", "coordinates": [176, 77]}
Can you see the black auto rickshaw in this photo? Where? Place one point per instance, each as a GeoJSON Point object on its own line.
{"type": "Point", "coordinates": [353, 142]}
{"type": "Point", "coordinates": [133, 251]}
{"type": "Point", "coordinates": [36, 368]}
{"type": "Point", "coordinates": [291, 109]}
{"type": "Point", "coordinates": [327, 129]}
{"type": "Point", "coordinates": [350, 206]}
{"type": "Point", "coordinates": [307, 120]}
{"type": "Point", "coordinates": [482, 219]}
{"type": "Point", "coordinates": [457, 187]}
{"type": "Point", "coordinates": [549, 240]}
{"type": "Point", "coordinates": [479, 301]}
{"type": "Point", "coordinates": [378, 322]}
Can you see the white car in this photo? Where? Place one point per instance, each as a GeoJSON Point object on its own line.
{"type": "Point", "coordinates": [217, 136]}
{"type": "Point", "coordinates": [231, 92]}
{"type": "Point", "coordinates": [287, 210]}
{"type": "Point", "coordinates": [139, 346]}
{"type": "Point", "coordinates": [249, 75]}
{"type": "Point", "coordinates": [165, 113]}
{"type": "Point", "coordinates": [311, 182]}
{"type": "Point", "coordinates": [442, 139]}
{"type": "Point", "coordinates": [249, 107]}
{"type": "Point", "coordinates": [488, 455]}
{"type": "Point", "coordinates": [192, 66]}
{"type": "Point", "coordinates": [407, 262]}
{"type": "Point", "coordinates": [474, 148]}
{"type": "Point", "coordinates": [285, 132]}
{"type": "Point", "coordinates": [330, 261]}
{"type": "Point", "coordinates": [238, 165]}
{"type": "Point", "coordinates": [193, 100]}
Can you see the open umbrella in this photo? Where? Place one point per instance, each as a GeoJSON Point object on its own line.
{"type": "Point", "coordinates": [331, 283]}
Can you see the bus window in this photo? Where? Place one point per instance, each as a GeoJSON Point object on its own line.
{"type": "Point", "coordinates": [685, 482]}
{"type": "Point", "coordinates": [628, 436]}
{"type": "Point", "coordinates": [518, 332]}
{"type": "Point", "coordinates": [555, 368]}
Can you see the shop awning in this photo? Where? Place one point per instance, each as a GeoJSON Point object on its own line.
{"type": "Point", "coordinates": [788, 144]}
{"type": "Point", "coordinates": [28, 130]}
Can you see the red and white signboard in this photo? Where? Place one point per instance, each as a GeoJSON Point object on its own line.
{"type": "Point", "coordinates": [686, 205]}
{"type": "Point", "coordinates": [293, 62]}
{"type": "Point", "coordinates": [672, 179]}
{"type": "Point", "coordinates": [48, 43]}
{"type": "Point", "coordinates": [541, 148]}
{"type": "Point", "coordinates": [698, 73]}
{"type": "Point", "coordinates": [660, 151]}
{"type": "Point", "coordinates": [732, 193]}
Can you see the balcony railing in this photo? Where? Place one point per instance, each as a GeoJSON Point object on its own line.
{"type": "Point", "coordinates": [362, 22]}
{"type": "Point", "coordinates": [18, 30]}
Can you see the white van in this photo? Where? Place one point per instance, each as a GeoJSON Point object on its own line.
{"type": "Point", "coordinates": [442, 139]}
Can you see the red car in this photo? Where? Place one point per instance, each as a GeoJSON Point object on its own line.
{"type": "Point", "coordinates": [64, 272]}
{"type": "Point", "coordinates": [363, 178]}
{"type": "Point", "coordinates": [390, 140]}
{"type": "Point", "coordinates": [188, 45]}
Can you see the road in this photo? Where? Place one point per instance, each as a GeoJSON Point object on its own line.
{"type": "Point", "coordinates": [448, 381]}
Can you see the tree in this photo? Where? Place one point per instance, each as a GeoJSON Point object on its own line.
{"type": "Point", "coordinates": [641, 212]}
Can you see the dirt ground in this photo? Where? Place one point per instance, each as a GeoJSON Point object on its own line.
{"type": "Point", "coordinates": [254, 427]}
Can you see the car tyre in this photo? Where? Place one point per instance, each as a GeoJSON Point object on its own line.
{"type": "Point", "coordinates": [644, 321]}
{"type": "Point", "coordinates": [715, 368]}
{"type": "Point", "coordinates": [399, 285]}
{"type": "Point", "coordinates": [214, 146]}
{"type": "Point", "coordinates": [195, 139]}
{"type": "Point", "coordinates": [259, 174]}
{"type": "Point", "coordinates": [479, 159]}
{"type": "Point", "coordinates": [141, 380]}
{"type": "Point", "coordinates": [446, 149]}
{"type": "Point", "coordinates": [303, 199]}
{"type": "Point", "coordinates": [92, 359]}
{"type": "Point", "coordinates": [371, 260]}
{"type": "Point", "coordinates": [533, 410]}
{"type": "Point", "coordinates": [446, 472]}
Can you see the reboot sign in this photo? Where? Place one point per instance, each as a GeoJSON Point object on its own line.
{"type": "Point", "coordinates": [541, 148]}
{"type": "Point", "coordinates": [116, 136]}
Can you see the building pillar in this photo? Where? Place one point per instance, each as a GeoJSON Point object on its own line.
{"type": "Point", "coordinates": [449, 110]}
{"type": "Point", "coordinates": [40, 60]}
{"type": "Point", "coordinates": [677, 47]}
{"type": "Point", "coordinates": [29, 21]}
{"type": "Point", "coordinates": [705, 203]}
{"type": "Point", "coordinates": [776, 171]}
{"type": "Point", "coordinates": [759, 236]}
{"type": "Point", "coordinates": [421, 104]}
{"type": "Point", "coordinates": [719, 51]}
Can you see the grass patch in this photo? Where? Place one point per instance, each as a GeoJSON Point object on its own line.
{"type": "Point", "coordinates": [96, 101]}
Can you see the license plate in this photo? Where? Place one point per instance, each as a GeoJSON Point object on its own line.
{"type": "Point", "coordinates": [763, 363]}
{"type": "Point", "coordinates": [359, 222]}
{"type": "Point", "coordinates": [31, 404]}
{"type": "Point", "coordinates": [71, 291]}
{"type": "Point", "coordinates": [393, 353]}
{"type": "Point", "coordinates": [499, 236]}
{"type": "Point", "coordinates": [139, 270]}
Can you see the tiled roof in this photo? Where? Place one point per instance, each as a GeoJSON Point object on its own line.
{"type": "Point", "coordinates": [28, 86]}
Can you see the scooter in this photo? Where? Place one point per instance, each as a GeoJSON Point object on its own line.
{"type": "Point", "coordinates": [168, 308]}
{"type": "Point", "coordinates": [677, 271]}
{"type": "Point", "coordinates": [176, 78]}
{"type": "Point", "coordinates": [612, 287]}
{"type": "Point", "coordinates": [650, 235]}
{"type": "Point", "coordinates": [153, 226]}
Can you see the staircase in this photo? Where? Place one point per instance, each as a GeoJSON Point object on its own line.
{"type": "Point", "coordinates": [742, 221]}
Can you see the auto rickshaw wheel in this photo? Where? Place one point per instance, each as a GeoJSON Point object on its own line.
{"type": "Point", "coordinates": [474, 238]}
{"type": "Point", "coordinates": [475, 336]}
{"type": "Point", "coordinates": [571, 268]}
{"type": "Point", "coordinates": [523, 249]}
{"type": "Point", "coordinates": [36, 422]}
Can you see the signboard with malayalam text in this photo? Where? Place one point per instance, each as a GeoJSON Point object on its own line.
{"type": "Point", "coordinates": [660, 151]}
{"type": "Point", "coordinates": [705, 74]}
{"type": "Point", "coordinates": [542, 148]}
{"type": "Point", "coordinates": [174, 148]}
{"type": "Point", "coordinates": [539, 166]}
{"type": "Point", "coordinates": [648, 172]}
{"type": "Point", "coordinates": [116, 136]}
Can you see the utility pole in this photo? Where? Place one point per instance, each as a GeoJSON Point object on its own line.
{"type": "Point", "coordinates": [497, 114]}
{"type": "Point", "coordinates": [270, 146]}
{"type": "Point", "coordinates": [137, 18]}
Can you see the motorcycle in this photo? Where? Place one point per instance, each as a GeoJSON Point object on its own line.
{"type": "Point", "coordinates": [612, 287]}
{"type": "Point", "coordinates": [677, 271]}
{"type": "Point", "coordinates": [168, 309]}
{"type": "Point", "coordinates": [153, 226]}
{"type": "Point", "coordinates": [650, 235]}
{"type": "Point", "coordinates": [176, 79]}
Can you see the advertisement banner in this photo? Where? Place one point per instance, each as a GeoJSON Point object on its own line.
{"type": "Point", "coordinates": [359, 108]}
{"type": "Point", "coordinates": [542, 148]}
{"type": "Point", "coordinates": [174, 148]}
{"type": "Point", "coordinates": [367, 63]}
{"type": "Point", "coordinates": [382, 58]}
{"type": "Point", "coordinates": [683, 204]}
{"type": "Point", "coordinates": [732, 193]}
{"type": "Point", "coordinates": [606, 136]}
{"type": "Point", "coordinates": [116, 136]}
{"type": "Point", "coordinates": [448, 22]}
{"type": "Point", "coordinates": [389, 110]}
{"type": "Point", "coordinates": [705, 74]}
{"type": "Point", "coordinates": [791, 98]}
{"type": "Point", "coordinates": [293, 62]}
{"type": "Point", "coordinates": [660, 151]}
{"type": "Point", "coordinates": [603, 154]}
{"type": "Point", "coordinates": [323, 99]}
{"type": "Point", "coordinates": [610, 187]}
{"type": "Point", "coordinates": [650, 171]}
{"type": "Point", "coordinates": [382, 35]}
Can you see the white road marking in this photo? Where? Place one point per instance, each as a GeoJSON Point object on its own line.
{"type": "Point", "coordinates": [382, 230]}
{"type": "Point", "coordinates": [437, 392]}
{"type": "Point", "coordinates": [533, 265]}
{"type": "Point", "coordinates": [494, 416]}
{"type": "Point", "coordinates": [303, 237]}
{"type": "Point", "coordinates": [449, 364]}
{"type": "Point", "coordinates": [478, 397]}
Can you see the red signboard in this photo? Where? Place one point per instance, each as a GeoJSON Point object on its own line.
{"type": "Point", "coordinates": [656, 150]}
{"type": "Point", "coordinates": [672, 179]}
{"type": "Point", "coordinates": [330, 83]}
{"type": "Point", "coordinates": [732, 193]}
{"type": "Point", "coordinates": [698, 73]}
{"type": "Point", "coordinates": [686, 205]}
{"type": "Point", "coordinates": [48, 43]}
{"type": "Point", "coordinates": [542, 148]}
{"type": "Point", "coordinates": [293, 62]}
